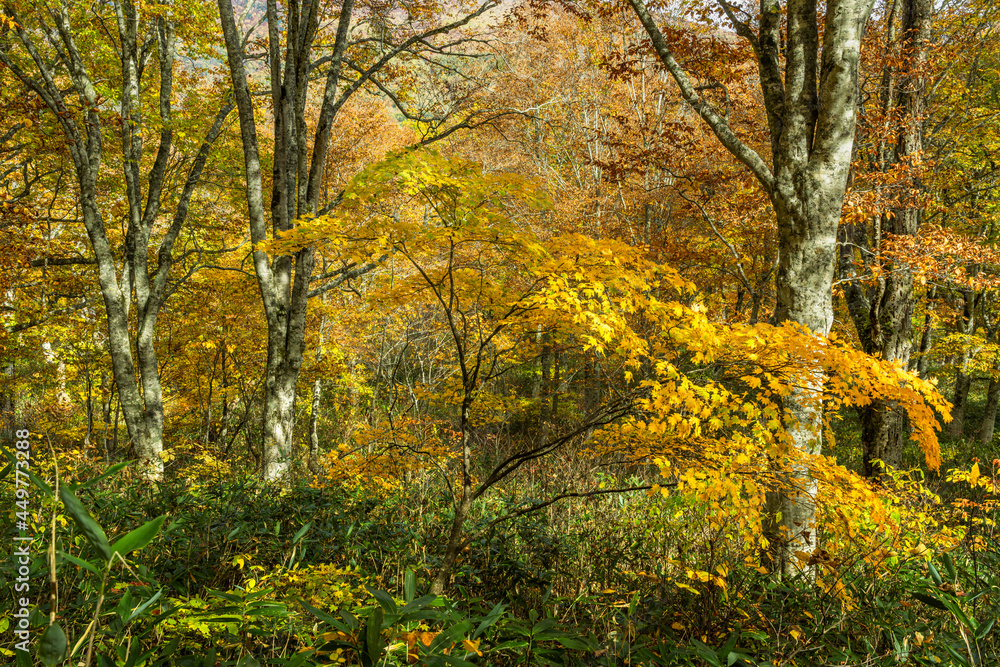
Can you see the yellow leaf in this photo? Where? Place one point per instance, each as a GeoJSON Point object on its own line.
{"type": "Point", "coordinates": [974, 474]}
{"type": "Point", "coordinates": [676, 626]}
{"type": "Point", "coordinates": [472, 646]}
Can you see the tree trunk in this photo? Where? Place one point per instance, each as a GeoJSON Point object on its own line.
{"type": "Point", "coordinates": [963, 381]}
{"type": "Point", "coordinates": [462, 504]}
{"type": "Point", "coordinates": [883, 432]}
{"type": "Point", "coordinates": [284, 281]}
{"type": "Point", "coordinates": [883, 315]}
{"type": "Point", "coordinates": [89, 379]}
{"type": "Point", "coordinates": [106, 400]}
{"type": "Point", "coordinates": [811, 104]}
{"type": "Point", "coordinates": [48, 41]}
{"type": "Point", "coordinates": [990, 413]}
{"type": "Point", "coordinates": [807, 250]}
{"type": "Point", "coordinates": [7, 404]}
{"type": "Point", "coordinates": [279, 423]}
{"type": "Point", "coordinates": [452, 548]}
{"type": "Point", "coordinates": [313, 461]}
{"type": "Point", "coordinates": [956, 429]}
{"type": "Point", "coordinates": [926, 338]}
{"type": "Point", "coordinates": [297, 182]}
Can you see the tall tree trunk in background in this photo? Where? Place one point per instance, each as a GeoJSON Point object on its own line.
{"type": "Point", "coordinates": [313, 460]}
{"type": "Point", "coordinates": [39, 52]}
{"type": "Point", "coordinates": [883, 316]}
{"type": "Point", "coordinates": [963, 383]}
{"type": "Point", "coordinates": [988, 424]}
{"type": "Point", "coordinates": [962, 380]}
{"type": "Point", "coordinates": [920, 365]}
{"type": "Point", "coordinates": [811, 104]}
{"type": "Point", "coordinates": [296, 185]}
{"type": "Point", "coordinates": [463, 503]}
{"type": "Point", "coordinates": [106, 400]}
{"type": "Point", "coordinates": [7, 404]}
{"type": "Point", "coordinates": [284, 280]}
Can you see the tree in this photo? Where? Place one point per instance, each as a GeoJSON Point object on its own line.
{"type": "Point", "coordinates": [810, 97]}
{"type": "Point", "coordinates": [53, 57]}
{"type": "Point", "coordinates": [286, 281]}
{"type": "Point", "coordinates": [883, 312]}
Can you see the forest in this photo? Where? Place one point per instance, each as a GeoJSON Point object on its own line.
{"type": "Point", "coordinates": [481, 332]}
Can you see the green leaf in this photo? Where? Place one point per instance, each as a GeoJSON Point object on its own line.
{"type": "Point", "coordinates": [449, 636]}
{"type": "Point", "coordinates": [962, 660]}
{"type": "Point", "coordinates": [513, 644]}
{"type": "Point", "coordinates": [385, 600]}
{"type": "Point", "coordinates": [956, 609]}
{"type": "Point", "coordinates": [143, 607]}
{"type": "Point", "coordinates": [418, 604]}
{"type": "Point", "coordinates": [409, 585]}
{"type": "Point", "coordinates": [728, 647]}
{"type": "Point", "coordinates": [124, 605]}
{"type": "Point", "coordinates": [543, 625]}
{"type": "Point", "coordinates": [167, 653]}
{"type": "Point", "coordinates": [373, 636]}
{"type": "Point", "coordinates": [705, 652]}
{"type": "Point", "coordinates": [575, 643]}
{"type": "Point", "coordinates": [139, 537]}
{"type": "Point", "coordinates": [350, 619]}
{"type": "Point", "coordinates": [490, 619]}
{"type": "Point", "coordinates": [949, 565]}
{"type": "Point", "coordinates": [90, 528]}
{"type": "Point", "coordinates": [298, 659]}
{"type": "Point", "coordinates": [984, 629]}
{"type": "Point", "coordinates": [79, 562]}
{"type": "Point", "coordinates": [225, 596]}
{"type": "Point", "coordinates": [321, 615]}
{"type": "Point", "coordinates": [935, 575]}
{"type": "Point", "coordinates": [301, 532]}
{"type": "Point", "coordinates": [107, 473]}
{"type": "Point", "coordinates": [928, 600]}
{"type": "Point", "coordinates": [52, 646]}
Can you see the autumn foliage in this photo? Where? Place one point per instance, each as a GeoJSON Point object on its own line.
{"type": "Point", "coordinates": [524, 330]}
